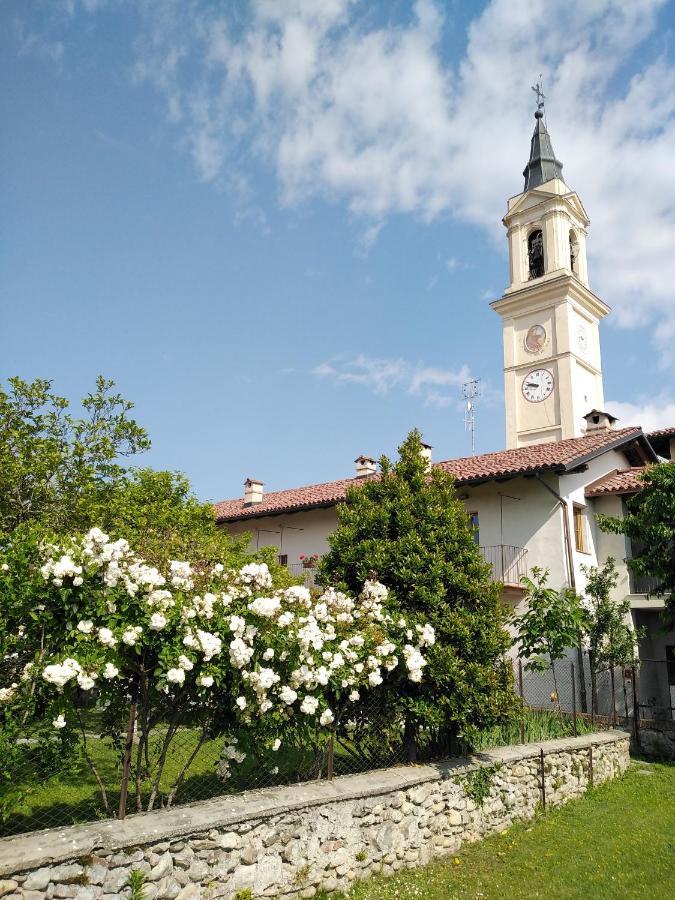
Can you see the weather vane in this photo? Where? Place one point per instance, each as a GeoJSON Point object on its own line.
{"type": "Point", "coordinates": [538, 88]}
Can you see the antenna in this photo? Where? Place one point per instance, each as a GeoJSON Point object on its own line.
{"type": "Point", "coordinates": [471, 391]}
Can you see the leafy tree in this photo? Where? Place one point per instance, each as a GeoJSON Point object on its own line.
{"type": "Point", "coordinates": [549, 626]}
{"type": "Point", "coordinates": [53, 463]}
{"type": "Point", "coordinates": [611, 640]}
{"type": "Point", "coordinates": [650, 523]}
{"type": "Point", "coordinates": [408, 528]}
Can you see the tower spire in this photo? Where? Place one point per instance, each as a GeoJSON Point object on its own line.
{"type": "Point", "coordinates": [542, 165]}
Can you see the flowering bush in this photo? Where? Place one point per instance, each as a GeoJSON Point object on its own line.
{"type": "Point", "coordinates": [219, 649]}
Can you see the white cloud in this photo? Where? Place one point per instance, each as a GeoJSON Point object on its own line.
{"type": "Point", "coordinates": [31, 44]}
{"type": "Point", "coordinates": [651, 413]}
{"type": "Point", "coordinates": [436, 387]}
{"type": "Point", "coordinates": [376, 117]}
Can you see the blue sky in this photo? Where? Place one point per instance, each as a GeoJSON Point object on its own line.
{"type": "Point", "coordinates": [277, 225]}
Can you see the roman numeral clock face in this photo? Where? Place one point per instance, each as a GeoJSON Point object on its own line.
{"type": "Point", "coordinates": [538, 385]}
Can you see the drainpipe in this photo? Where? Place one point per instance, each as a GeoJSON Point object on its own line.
{"type": "Point", "coordinates": [571, 578]}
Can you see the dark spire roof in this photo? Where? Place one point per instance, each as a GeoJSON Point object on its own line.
{"type": "Point", "coordinates": [543, 166]}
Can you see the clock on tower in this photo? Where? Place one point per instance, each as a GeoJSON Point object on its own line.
{"type": "Point", "coordinates": [552, 368]}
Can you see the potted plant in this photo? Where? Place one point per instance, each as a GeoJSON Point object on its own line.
{"type": "Point", "coordinates": [309, 561]}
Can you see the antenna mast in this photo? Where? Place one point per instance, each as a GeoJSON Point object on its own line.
{"type": "Point", "coordinates": [471, 390]}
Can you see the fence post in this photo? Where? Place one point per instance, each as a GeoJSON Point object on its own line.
{"type": "Point", "coordinates": [574, 702]}
{"type": "Point", "coordinates": [611, 679]}
{"type": "Point", "coordinates": [590, 766]}
{"type": "Point", "coordinates": [543, 778]}
{"type": "Point", "coordinates": [636, 709]}
{"type": "Point", "coordinates": [331, 756]}
{"type": "Point", "coordinates": [522, 701]}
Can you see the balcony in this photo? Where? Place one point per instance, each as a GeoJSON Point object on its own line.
{"type": "Point", "coordinates": [643, 584]}
{"type": "Point", "coordinates": [508, 566]}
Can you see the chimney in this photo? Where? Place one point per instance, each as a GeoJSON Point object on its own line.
{"type": "Point", "coordinates": [365, 465]}
{"type": "Point", "coordinates": [253, 491]}
{"type": "Point", "coordinates": [425, 453]}
{"type": "Point", "coordinates": [597, 420]}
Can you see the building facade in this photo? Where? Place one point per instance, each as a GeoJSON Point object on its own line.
{"type": "Point", "coordinates": [534, 503]}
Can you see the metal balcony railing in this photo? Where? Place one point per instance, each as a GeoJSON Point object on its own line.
{"type": "Point", "coordinates": [508, 563]}
{"type": "Point", "coordinates": [643, 584]}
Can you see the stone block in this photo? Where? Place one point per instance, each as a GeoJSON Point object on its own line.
{"type": "Point", "coordinates": [163, 867]}
{"type": "Point", "coordinates": [7, 886]}
{"type": "Point", "coordinates": [229, 841]}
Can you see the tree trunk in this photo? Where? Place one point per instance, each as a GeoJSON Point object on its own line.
{"type": "Point", "coordinates": [410, 742]}
{"type": "Point", "coordinates": [128, 748]}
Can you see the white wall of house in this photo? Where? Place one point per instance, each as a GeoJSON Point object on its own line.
{"type": "Point", "coordinates": [291, 533]}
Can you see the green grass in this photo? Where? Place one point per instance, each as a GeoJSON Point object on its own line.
{"type": "Point", "coordinates": [617, 843]}
{"type": "Point", "coordinates": [72, 796]}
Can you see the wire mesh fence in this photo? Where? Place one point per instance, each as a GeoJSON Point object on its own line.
{"type": "Point", "coordinates": [45, 782]}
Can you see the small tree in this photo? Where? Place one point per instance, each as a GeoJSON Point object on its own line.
{"type": "Point", "coordinates": [52, 463]}
{"type": "Point", "coordinates": [408, 527]}
{"type": "Point", "coordinates": [611, 640]}
{"type": "Point", "coordinates": [549, 626]}
{"type": "Point", "coordinates": [650, 523]}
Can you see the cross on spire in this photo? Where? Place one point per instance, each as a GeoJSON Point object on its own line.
{"type": "Point", "coordinates": [538, 88]}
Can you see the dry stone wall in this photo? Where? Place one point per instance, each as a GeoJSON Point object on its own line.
{"type": "Point", "coordinates": [289, 842]}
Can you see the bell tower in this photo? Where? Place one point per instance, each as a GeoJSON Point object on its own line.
{"type": "Point", "coordinates": [552, 368]}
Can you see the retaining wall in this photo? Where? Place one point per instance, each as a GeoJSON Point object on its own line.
{"type": "Point", "coordinates": [291, 841]}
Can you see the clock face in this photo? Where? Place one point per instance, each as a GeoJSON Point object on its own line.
{"type": "Point", "coordinates": [535, 338]}
{"type": "Point", "coordinates": [538, 385]}
{"type": "Point", "coordinates": [582, 339]}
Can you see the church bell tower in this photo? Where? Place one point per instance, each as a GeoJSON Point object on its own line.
{"type": "Point", "coordinates": [552, 368]}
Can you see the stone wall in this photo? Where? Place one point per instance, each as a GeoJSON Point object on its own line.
{"type": "Point", "coordinates": [657, 743]}
{"type": "Point", "coordinates": [290, 841]}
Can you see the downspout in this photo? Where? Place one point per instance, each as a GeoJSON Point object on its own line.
{"type": "Point", "coordinates": [571, 578]}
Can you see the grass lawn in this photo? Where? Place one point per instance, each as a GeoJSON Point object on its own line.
{"type": "Point", "coordinates": [617, 843]}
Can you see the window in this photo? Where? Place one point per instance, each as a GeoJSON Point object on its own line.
{"type": "Point", "coordinates": [473, 521]}
{"type": "Point", "coordinates": [574, 252]}
{"type": "Point", "coordinates": [283, 559]}
{"type": "Point", "coordinates": [580, 528]}
{"type": "Point", "coordinates": [535, 254]}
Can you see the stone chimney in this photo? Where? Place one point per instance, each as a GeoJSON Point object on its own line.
{"type": "Point", "coordinates": [425, 453]}
{"type": "Point", "coordinates": [365, 465]}
{"type": "Point", "coordinates": [597, 420]}
{"type": "Point", "coordinates": [253, 491]}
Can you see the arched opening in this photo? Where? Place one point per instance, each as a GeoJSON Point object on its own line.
{"type": "Point", "coordinates": [574, 252]}
{"type": "Point", "coordinates": [535, 253]}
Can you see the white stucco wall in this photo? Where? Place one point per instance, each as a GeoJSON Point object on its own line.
{"type": "Point", "coordinates": [291, 533]}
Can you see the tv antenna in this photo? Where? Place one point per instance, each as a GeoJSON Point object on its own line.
{"type": "Point", "coordinates": [472, 391]}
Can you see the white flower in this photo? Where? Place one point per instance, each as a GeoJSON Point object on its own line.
{"type": "Point", "coordinates": [241, 702]}
{"type": "Point", "coordinates": [185, 663]}
{"type": "Point", "coordinates": [240, 653]}
{"type": "Point", "coordinates": [288, 695]}
{"type": "Point", "coordinates": [354, 696]}
{"type": "Point", "coordinates": [106, 637]}
{"type": "Point", "coordinates": [7, 693]}
{"type": "Point", "coordinates": [86, 681]}
{"type": "Point", "coordinates": [60, 674]}
{"type": "Point", "coordinates": [285, 619]}
{"type": "Point", "coordinates": [4, 567]}
{"type": "Point", "coordinates": [131, 635]}
{"type": "Point", "coordinates": [326, 717]}
{"type": "Point", "coordinates": [265, 606]}
{"type": "Point", "coordinates": [59, 721]}
{"type": "Point", "coordinates": [309, 705]}
{"type": "Point", "coordinates": [175, 676]}
{"type": "Point", "coordinates": [180, 574]}
{"type": "Point", "coordinates": [374, 678]}
{"type": "Point", "coordinates": [86, 626]}
{"type": "Point", "coordinates": [157, 622]}
{"type": "Point", "coordinates": [210, 644]}
{"type": "Point", "coordinates": [274, 771]}
{"type": "Point", "coordinates": [427, 635]}
{"type": "Point", "coordinates": [268, 654]}
{"type": "Point", "coordinates": [256, 574]}
{"type": "Point", "coordinates": [110, 671]}
{"type": "Point", "coordinates": [206, 680]}
{"type": "Point", "coordinates": [96, 536]}
{"type": "Point", "coordinates": [276, 744]}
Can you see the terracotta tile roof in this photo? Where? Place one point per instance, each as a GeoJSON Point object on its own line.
{"type": "Point", "coordinates": [661, 432]}
{"type": "Point", "coordinates": [555, 456]}
{"type": "Point", "coordinates": [623, 481]}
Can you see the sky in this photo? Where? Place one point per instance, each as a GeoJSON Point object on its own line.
{"type": "Point", "coordinates": [277, 225]}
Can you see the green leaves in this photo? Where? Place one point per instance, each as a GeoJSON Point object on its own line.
{"type": "Point", "coordinates": [409, 528]}
{"type": "Point", "coordinates": [550, 624]}
{"type": "Point", "coordinates": [649, 522]}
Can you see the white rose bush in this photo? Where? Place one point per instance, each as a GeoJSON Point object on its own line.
{"type": "Point", "coordinates": [205, 650]}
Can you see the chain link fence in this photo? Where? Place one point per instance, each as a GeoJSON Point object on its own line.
{"type": "Point", "coordinates": [45, 782]}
